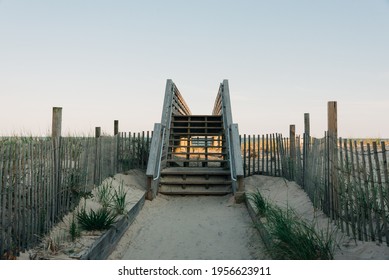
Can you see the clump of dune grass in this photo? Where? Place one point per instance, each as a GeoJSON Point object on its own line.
{"type": "Point", "coordinates": [100, 219]}
{"type": "Point", "coordinates": [260, 202]}
{"type": "Point", "coordinates": [119, 201]}
{"type": "Point", "coordinates": [292, 237]}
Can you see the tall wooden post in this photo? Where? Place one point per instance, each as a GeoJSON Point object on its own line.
{"type": "Point", "coordinates": [306, 141]}
{"type": "Point", "coordinates": [56, 138]}
{"type": "Point", "coordinates": [97, 156]}
{"type": "Point", "coordinates": [117, 139]}
{"type": "Point", "coordinates": [333, 157]}
{"type": "Point", "coordinates": [292, 151]}
{"type": "Point", "coordinates": [115, 127]}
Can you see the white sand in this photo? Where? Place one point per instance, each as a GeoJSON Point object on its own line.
{"type": "Point", "coordinates": [57, 244]}
{"type": "Point", "coordinates": [200, 227]}
{"type": "Point", "coordinates": [289, 194]}
{"type": "Point", "coordinates": [191, 227]}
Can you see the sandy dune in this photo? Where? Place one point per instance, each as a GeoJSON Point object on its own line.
{"type": "Point", "coordinates": [289, 194]}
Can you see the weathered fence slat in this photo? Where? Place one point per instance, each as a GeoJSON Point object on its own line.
{"type": "Point", "coordinates": [381, 195]}
{"type": "Point", "coordinates": [386, 179]}
{"type": "Point", "coordinates": [374, 194]}
{"type": "Point", "coordinates": [354, 192]}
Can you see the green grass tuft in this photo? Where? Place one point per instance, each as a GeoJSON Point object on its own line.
{"type": "Point", "coordinates": [292, 237]}
{"type": "Point", "coordinates": [101, 219]}
{"type": "Point", "coordinates": [119, 201]}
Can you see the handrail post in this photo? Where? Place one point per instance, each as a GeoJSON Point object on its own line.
{"type": "Point", "coordinates": [152, 163]}
{"type": "Point", "coordinates": [232, 135]}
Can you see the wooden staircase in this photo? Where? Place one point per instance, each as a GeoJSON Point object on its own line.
{"type": "Point", "coordinates": [195, 154]}
{"type": "Point", "coordinates": [196, 157]}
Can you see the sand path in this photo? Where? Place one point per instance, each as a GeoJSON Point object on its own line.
{"type": "Point", "coordinates": [191, 227]}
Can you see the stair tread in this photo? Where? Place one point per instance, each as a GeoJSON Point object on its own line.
{"type": "Point", "coordinates": [198, 133]}
{"type": "Point", "coordinates": [197, 153]}
{"type": "Point", "coordinates": [195, 146]}
{"type": "Point", "coordinates": [203, 182]}
{"type": "Point", "coordinates": [196, 160]}
{"type": "Point", "coordinates": [220, 190]}
{"type": "Point", "coordinates": [195, 171]}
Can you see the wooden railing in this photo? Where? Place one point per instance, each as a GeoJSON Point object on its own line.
{"type": "Point", "coordinates": [223, 107]}
{"type": "Point", "coordinates": [174, 104]}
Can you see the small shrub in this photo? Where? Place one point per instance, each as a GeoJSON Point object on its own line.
{"type": "Point", "coordinates": [101, 219]}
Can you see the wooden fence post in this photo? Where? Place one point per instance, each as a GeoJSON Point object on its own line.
{"type": "Point", "coordinates": [56, 138]}
{"type": "Point", "coordinates": [115, 127]}
{"type": "Point", "coordinates": [97, 156]}
{"type": "Point", "coordinates": [333, 157]}
{"type": "Point", "coordinates": [306, 140]}
{"type": "Point", "coordinates": [292, 151]}
{"type": "Point", "coordinates": [117, 139]}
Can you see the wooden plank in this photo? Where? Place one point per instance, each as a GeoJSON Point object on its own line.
{"type": "Point", "coordinates": [142, 151]}
{"type": "Point", "coordinates": [2, 200]}
{"type": "Point", "coordinates": [368, 209]}
{"type": "Point", "coordinates": [258, 153]}
{"type": "Point", "coordinates": [350, 216]}
{"type": "Point", "coordinates": [263, 154]}
{"type": "Point", "coordinates": [267, 154]}
{"type": "Point", "coordinates": [354, 186]}
{"type": "Point", "coordinates": [5, 198]}
{"type": "Point", "coordinates": [306, 136]}
{"type": "Point", "coordinates": [332, 152]}
{"type": "Point", "coordinates": [27, 220]}
{"type": "Point", "coordinates": [254, 154]}
{"type": "Point", "coordinates": [386, 177]}
{"type": "Point", "coordinates": [278, 155]}
{"type": "Point", "coordinates": [298, 163]}
{"type": "Point", "coordinates": [271, 154]}
{"type": "Point", "coordinates": [374, 195]}
{"type": "Point", "coordinates": [283, 158]}
{"type": "Point", "coordinates": [19, 192]}
{"type": "Point", "coordinates": [279, 167]}
{"type": "Point", "coordinates": [115, 127]}
{"type": "Point", "coordinates": [249, 155]}
{"type": "Point", "coordinates": [154, 151]}
{"type": "Point", "coordinates": [10, 187]}
{"type": "Point", "coordinates": [380, 194]}
{"type": "Point", "coordinates": [32, 182]}
{"type": "Point", "coordinates": [292, 140]}
{"type": "Point", "coordinates": [359, 186]}
{"type": "Point", "coordinates": [244, 155]}
{"type": "Point", "coordinates": [167, 102]}
{"type": "Point", "coordinates": [342, 204]}
{"type": "Point", "coordinates": [236, 151]}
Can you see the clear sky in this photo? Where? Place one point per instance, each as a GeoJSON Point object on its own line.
{"type": "Point", "coordinates": [106, 60]}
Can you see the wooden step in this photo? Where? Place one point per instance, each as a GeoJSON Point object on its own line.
{"type": "Point", "coordinates": [197, 117]}
{"type": "Point", "coordinates": [199, 147]}
{"type": "Point", "coordinates": [194, 181]}
{"type": "Point", "coordinates": [217, 171]}
{"type": "Point", "coordinates": [196, 160]}
{"type": "Point", "coordinates": [216, 133]}
{"type": "Point", "coordinates": [177, 190]}
{"type": "Point", "coordinates": [195, 130]}
{"type": "Point", "coordinates": [198, 153]}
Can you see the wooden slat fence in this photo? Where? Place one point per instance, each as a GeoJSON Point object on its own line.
{"type": "Point", "coordinates": [357, 199]}
{"type": "Point", "coordinates": [30, 201]}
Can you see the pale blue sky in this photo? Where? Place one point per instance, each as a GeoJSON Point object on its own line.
{"type": "Point", "coordinates": [106, 60]}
